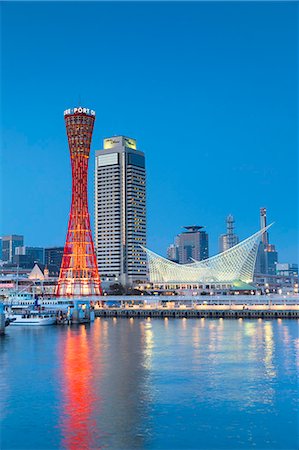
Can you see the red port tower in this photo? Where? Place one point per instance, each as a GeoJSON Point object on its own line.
{"type": "Point", "coordinates": [79, 275]}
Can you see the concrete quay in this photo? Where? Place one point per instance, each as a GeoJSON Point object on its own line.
{"type": "Point", "coordinates": [2, 319]}
{"type": "Point", "coordinates": [290, 312]}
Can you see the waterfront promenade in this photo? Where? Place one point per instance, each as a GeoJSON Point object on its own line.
{"type": "Point", "coordinates": [201, 312]}
{"type": "Point", "coordinates": [243, 306]}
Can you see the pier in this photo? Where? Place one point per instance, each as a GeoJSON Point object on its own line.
{"type": "Point", "coordinates": [192, 313]}
{"type": "Point", "coordinates": [221, 306]}
{"type": "Point", "coordinates": [80, 313]}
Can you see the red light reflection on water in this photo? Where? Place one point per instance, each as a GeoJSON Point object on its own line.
{"type": "Point", "coordinates": [79, 399]}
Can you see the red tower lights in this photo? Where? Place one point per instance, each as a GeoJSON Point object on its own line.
{"type": "Point", "coordinates": [79, 272]}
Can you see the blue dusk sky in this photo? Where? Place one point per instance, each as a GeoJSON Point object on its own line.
{"type": "Point", "coordinates": [209, 90]}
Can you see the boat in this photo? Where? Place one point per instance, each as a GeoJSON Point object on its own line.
{"type": "Point", "coordinates": [26, 300]}
{"type": "Point", "coordinates": [20, 300]}
{"type": "Point", "coordinates": [32, 318]}
{"type": "Point", "coordinates": [56, 304]}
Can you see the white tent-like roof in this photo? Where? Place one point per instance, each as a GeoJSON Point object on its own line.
{"type": "Point", "coordinates": [236, 263]}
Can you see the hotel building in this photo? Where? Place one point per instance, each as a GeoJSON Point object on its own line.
{"type": "Point", "coordinates": [120, 211]}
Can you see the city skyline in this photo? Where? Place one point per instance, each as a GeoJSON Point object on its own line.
{"type": "Point", "coordinates": [237, 126]}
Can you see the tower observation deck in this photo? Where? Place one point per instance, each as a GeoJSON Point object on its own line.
{"type": "Point", "coordinates": [79, 272]}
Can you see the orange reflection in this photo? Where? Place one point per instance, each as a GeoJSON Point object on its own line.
{"type": "Point", "coordinates": [78, 422]}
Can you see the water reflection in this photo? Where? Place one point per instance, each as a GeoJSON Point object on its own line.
{"type": "Point", "coordinates": [126, 384]}
{"type": "Point", "coordinates": [4, 385]}
{"type": "Point", "coordinates": [269, 350]}
{"type": "Point", "coordinates": [285, 341]}
{"type": "Point", "coordinates": [148, 339]}
{"type": "Point", "coordinates": [79, 398]}
{"type": "Point", "coordinates": [104, 385]}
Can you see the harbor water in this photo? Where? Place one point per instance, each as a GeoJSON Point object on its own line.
{"type": "Point", "coordinates": [151, 384]}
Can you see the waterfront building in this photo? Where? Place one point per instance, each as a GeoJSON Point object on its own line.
{"type": "Point", "coordinates": [120, 211]}
{"type": "Point", "coordinates": [53, 257]}
{"type": "Point", "coordinates": [229, 239]}
{"type": "Point", "coordinates": [267, 256]}
{"type": "Point", "coordinates": [26, 256]}
{"type": "Point", "coordinates": [229, 268]}
{"type": "Point", "coordinates": [79, 274]}
{"type": "Point", "coordinates": [9, 244]}
{"type": "Point", "coordinates": [189, 245]}
{"type": "Point", "coordinates": [279, 284]}
{"type": "Point", "coordinates": [44, 272]}
{"type": "Point", "coordinates": [286, 269]}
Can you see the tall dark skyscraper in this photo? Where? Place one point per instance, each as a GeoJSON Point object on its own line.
{"type": "Point", "coordinates": [263, 223]}
{"type": "Point", "coordinates": [267, 256]}
{"type": "Point", "coordinates": [189, 245]}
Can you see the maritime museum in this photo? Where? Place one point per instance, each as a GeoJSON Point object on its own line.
{"type": "Point", "coordinates": [231, 268]}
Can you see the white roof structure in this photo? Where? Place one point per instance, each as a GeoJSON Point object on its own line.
{"type": "Point", "coordinates": [36, 273]}
{"type": "Point", "coordinates": [236, 263]}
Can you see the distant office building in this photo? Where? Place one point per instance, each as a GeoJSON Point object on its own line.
{"type": "Point", "coordinates": [20, 250]}
{"type": "Point", "coordinates": [193, 244]}
{"type": "Point", "coordinates": [120, 210]}
{"type": "Point", "coordinates": [271, 259]}
{"type": "Point", "coordinates": [0, 249]}
{"type": "Point", "coordinates": [189, 245]}
{"type": "Point", "coordinates": [267, 256]}
{"type": "Point", "coordinates": [287, 270]}
{"type": "Point", "coordinates": [9, 244]}
{"type": "Point", "coordinates": [173, 253]}
{"type": "Point", "coordinates": [260, 264]}
{"type": "Point", "coordinates": [26, 257]}
{"type": "Point", "coordinates": [229, 239]}
{"type": "Point", "coordinates": [53, 257]}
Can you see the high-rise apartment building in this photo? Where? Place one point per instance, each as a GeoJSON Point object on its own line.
{"type": "Point", "coordinates": [9, 244]}
{"type": "Point", "coordinates": [229, 239]}
{"type": "Point", "coordinates": [120, 210]}
{"type": "Point", "coordinates": [189, 245]}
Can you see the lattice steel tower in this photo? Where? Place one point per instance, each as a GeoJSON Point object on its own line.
{"type": "Point", "coordinates": [79, 272]}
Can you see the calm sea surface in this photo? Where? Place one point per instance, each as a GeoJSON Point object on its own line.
{"type": "Point", "coordinates": [152, 384]}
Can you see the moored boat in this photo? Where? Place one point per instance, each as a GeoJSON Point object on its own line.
{"type": "Point", "coordinates": [26, 300]}
{"type": "Point", "coordinates": [32, 318]}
